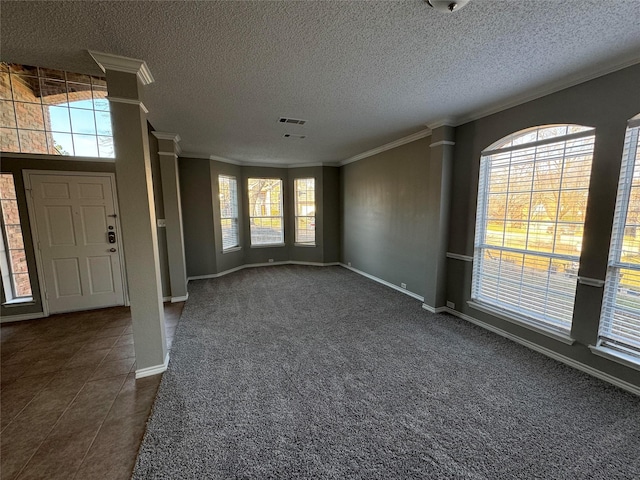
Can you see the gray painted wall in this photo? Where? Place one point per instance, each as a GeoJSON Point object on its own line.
{"type": "Point", "coordinates": [385, 215]}
{"type": "Point", "coordinates": [201, 206]}
{"type": "Point", "coordinates": [606, 103]}
{"type": "Point", "coordinates": [197, 216]}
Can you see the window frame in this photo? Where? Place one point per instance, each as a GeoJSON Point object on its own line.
{"type": "Point", "coordinates": [233, 204]}
{"type": "Point", "coordinates": [541, 322]}
{"type": "Point", "coordinates": [253, 217]}
{"type": "Point", "coordinates": [296, 193]}
{"type": "Point", "coordinates": [6, 265]}
{"type": "Point", "coordinates": [619, 347]}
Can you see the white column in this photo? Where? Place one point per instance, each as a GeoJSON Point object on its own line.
{"type": "Point", "coordinates": [168, 150]}
{"type": "Point", "coordinates": [125, 81]}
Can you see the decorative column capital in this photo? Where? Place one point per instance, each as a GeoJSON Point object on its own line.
{"type": "Point", "coordinates": [118, 63]}
{"type": "Point", "coordinates": [167, 143]}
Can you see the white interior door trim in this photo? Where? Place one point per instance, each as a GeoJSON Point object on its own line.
{"type": "Point", "coordinates": [34, 228]}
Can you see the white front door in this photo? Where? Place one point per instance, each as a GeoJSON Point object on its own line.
{"type": "Point", "coordinates": [78, 242]}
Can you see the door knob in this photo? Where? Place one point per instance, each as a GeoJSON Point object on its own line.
{"type": "Point", "coordinates": [112, 250]}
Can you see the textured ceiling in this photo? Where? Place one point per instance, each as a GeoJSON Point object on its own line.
{"type": "Point", "coordinates": [362, 73]}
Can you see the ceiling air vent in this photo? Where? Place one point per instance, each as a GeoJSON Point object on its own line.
{"type": "Point", "coordinates": [294, 121]}
{"type": "Point", "coordinates": [293, 135]}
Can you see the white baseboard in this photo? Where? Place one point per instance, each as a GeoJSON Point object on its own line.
{"type": "Point", "coordinates": [255, 265]}
{"type": "Point", "coordinates": [383, 282]}
{"type": "Point", "coordinates": [549, 353]}
{"type": "Point", "coordinates": [22, 317]}
{"type": "Point", "coordinates": [431, 309]}
{"type": "Point", "coordinates": [183, 298]}
{"type": "Point", "coordinates": [166, 299]}
{"type": "Point", "coordinates": [155, 370]}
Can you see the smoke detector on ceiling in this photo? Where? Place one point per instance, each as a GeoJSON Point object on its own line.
{"type": "Point", "coordinates": [447, 6]}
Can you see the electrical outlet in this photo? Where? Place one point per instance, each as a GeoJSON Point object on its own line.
{"type": "Point", "coordinates": [403, 285]}
{"type": "Point", "coordinates": [451, 305]}
{"type": "Point", "coordinates": [271, 260]}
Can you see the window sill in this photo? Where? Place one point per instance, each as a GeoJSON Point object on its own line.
{"type": "Point", "coordinates": [231, 250]}
{"type": "Point", "coordinates": [312, 245]}
{"type": "Point", "coordinates": [521, 321]}
{"type": "Point", "coordinates": [269, 245]}
{"type": "Point", "coordinates": [18, 302]}
{"type": "Point", "coordinates": [616, 356]}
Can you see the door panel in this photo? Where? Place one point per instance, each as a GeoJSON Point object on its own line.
{"type": "Point", "coordinates": [73, 215]}
{"type": "Point", "coordinates": [66, 274]}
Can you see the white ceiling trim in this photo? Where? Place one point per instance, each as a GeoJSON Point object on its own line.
{"type": "Point", "coordinates": [388, 146]}
{"type": "Point", "coordinates": [223, 160]}
{"type": "Point", "coordinates": [107, 61]}
{"type": "Point", "coordinates": [548, 89]}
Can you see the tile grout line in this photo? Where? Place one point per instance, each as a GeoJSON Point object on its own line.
{"type": "Point", "coordinates": [100, 427]}
{"type": "Point", "coordinates": [62, 414]}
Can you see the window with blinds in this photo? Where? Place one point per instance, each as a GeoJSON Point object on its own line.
{"type": "Point", "coordinates": [305, 210]}
{"type": "Point", "coordinates": [228, 190]}
{"type": "Point", "coordinates": [265, 211]}
{"type": "Point", "coordinates": [532, 197]}
{"type": "Point", "coordinates": [620, 317]}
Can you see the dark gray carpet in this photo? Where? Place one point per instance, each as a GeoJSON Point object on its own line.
{"type": "Point", "coordinates": [303, 372]}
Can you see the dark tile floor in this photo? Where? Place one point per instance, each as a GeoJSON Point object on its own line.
{"type": "Point", "coordinates": [70, 404]}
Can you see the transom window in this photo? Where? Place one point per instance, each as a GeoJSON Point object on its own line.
{"type": "Point", "coordinates": [265, 211]}
{"type": "Point", "coordinates": [228, 190]}
{"type": "Point", "coordinates": [53, 112]}
{"type": "Point", "coordinates": [620, 319]}
{"type": "Point", "coordinates": [13, 260]}
{"type": "Point", "coordinates": [532, 199]}
{"type": "Point", "coordinates": [305, 208]}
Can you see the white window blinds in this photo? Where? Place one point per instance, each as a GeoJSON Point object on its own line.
{"type": "Point", "coordinates": [305, 210]}
{"type": "Point", "coordinates": [532, 197]}
{"type": "Point", "coordinates": [620, 318]}
{"type": "Point", "coordinates": [228, 190]}
{"type": "Point", "coordinates": [265, 211]}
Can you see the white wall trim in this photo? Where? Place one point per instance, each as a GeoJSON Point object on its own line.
{"type": "Point", "coordinates": [129, 101]}
{"type": "Point", "coordinates": [431, 309]}
{"type": "Point", "coordinates": [442, 142]}
{"type": "Point", "coordinates": [21, 317]}
{"type": "Point", "coordinates": [166, 299]}
{"type": "Point", "coordinates": [558, 336]}
{"type": "Point", "coordinates": [154, 370]}
{"type": "Point", "coordinates": [383, 282]}
{"type": "Point", "coordinates": [388, 146]}
{"type": "Point", "coordinates": [592, 282]}
{"type": "Point", "coordinates": [255, 265]}
{"type": "Point", "coordinates": [549, 353]}
{"type": "Point", "coordinates": [108, 61]}
{"type": "Point", "coordinates": [182, 298]}
{"type": "Point", "coordinates": [457, 256]}
{"type": "Point", "coordinates": [169, 154]}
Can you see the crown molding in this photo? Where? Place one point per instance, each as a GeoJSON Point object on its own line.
{"type": "Point", "coordinates": [548, 89]}
{"type": "Point", "coordinates": [169, 136]}
{"type": "Point", "coordinates": [166, 136]}
{"type": "Point", "coordinates": [445, 122]}
{"type": "Point", "coordinates": [107, 61]}
{"type": "Point", "coordinates": [388, 146]}
{"type": "Point", "coordinates": [224, 160]}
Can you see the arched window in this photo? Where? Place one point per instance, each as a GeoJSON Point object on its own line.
{"type": "Point", "coordinates": [620, 318]}
{"type": "Point", "coordinates": [532, 197]}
